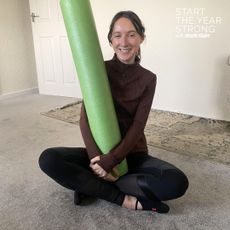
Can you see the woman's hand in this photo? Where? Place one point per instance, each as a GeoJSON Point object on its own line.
{"type": "Point", "coordinates": [99, 171]}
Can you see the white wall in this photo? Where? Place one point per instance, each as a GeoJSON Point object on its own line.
{"type": "Point", "coordinates": [17, 64]}
{"type": "Point", "coordinates": [193, 75]}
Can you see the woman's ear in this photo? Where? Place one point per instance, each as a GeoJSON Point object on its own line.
{"type": "Point", "coordinates": [142, 39]}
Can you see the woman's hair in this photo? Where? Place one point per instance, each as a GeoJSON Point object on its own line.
{"type": "Point", "coordinates": [135, 20]}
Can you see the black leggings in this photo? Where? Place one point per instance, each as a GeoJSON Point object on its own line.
{"type": "Point", "coordinates": [70, 168]}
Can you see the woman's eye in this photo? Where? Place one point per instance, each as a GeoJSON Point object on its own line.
{"type": "Point", "coordinates": [116, 36]}
{"type": "Point", "coordinates": [132, 35]}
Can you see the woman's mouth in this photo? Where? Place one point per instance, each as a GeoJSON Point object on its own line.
{"type": "Point", "coordinates": [124, 50]}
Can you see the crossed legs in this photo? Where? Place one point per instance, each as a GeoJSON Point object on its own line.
{"type": "Point", "coordinates": [148, 178]}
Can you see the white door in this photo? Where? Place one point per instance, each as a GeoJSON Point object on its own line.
{"type": "Point", "coordinates": [55, 68]}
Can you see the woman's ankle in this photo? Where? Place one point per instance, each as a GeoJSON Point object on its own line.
{"type": "Point", "coordinates": [131, 202]}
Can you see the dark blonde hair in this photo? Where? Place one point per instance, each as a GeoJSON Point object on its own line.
{"type": "Point", "coordinates": [135, 20]}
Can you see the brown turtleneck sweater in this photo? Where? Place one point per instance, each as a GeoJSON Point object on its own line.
{"type": "Point", "coordinates": [132, 88]}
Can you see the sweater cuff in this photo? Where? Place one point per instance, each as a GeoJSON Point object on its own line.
{"type": "Point", "coordinates": [93, 155]}
{"type": "Point", "coordinates": [107, 162]}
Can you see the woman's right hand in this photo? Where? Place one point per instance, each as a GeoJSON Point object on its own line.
{"type": "Point", "coordinates": [99, 171]}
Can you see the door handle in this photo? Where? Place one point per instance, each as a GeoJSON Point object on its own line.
{"type": "Point", "coordinates": [33, 16]}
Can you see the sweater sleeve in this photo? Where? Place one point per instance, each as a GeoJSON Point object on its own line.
{"type": "Point", "coordinates": [116, 155]}
{"type": "Point", "coordinates": [91, 146]}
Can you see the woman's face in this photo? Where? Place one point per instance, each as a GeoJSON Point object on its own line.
{"type": "Point", "coordinates": [125, 40]}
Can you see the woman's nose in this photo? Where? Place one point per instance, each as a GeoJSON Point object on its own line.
{"type": "Point", "coordinates": [124, 40]}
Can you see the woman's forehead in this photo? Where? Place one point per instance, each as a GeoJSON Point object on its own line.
{"type": "Point", "coordinates": [123, 25]}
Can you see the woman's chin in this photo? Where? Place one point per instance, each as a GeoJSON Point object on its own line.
{"type": "Point", "coordinates": [126, 60]}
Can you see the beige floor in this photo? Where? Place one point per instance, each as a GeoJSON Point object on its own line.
{"type": "Point", "coordinates": [30, 200]}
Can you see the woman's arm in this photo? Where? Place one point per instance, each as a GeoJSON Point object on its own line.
{"type": "Point", "coordinates": [91, 146]}
{"type": "Point", "coordinates": [116, 155]}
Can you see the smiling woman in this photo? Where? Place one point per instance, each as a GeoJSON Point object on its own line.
{"type": "Point", "coordinates": [126, 35]}
{"type": "Point", "coordinates": [149, 180]}
{"type": "Point", "coordinates": [125, 41]}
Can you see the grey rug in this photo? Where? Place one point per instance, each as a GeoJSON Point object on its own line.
{"type": "Point", "coordinates": [183, 134]}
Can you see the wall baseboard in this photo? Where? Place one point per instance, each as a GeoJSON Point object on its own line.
{"type": "Point", "coordinates": [19, 93]}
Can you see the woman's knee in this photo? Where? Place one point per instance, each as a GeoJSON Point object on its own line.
{"type": "Point", "coordinates": [183, 183]}
{"type": "Point", "coordinates": [179, 183]}
{"type": "Point", "coordinates": [46, 159]}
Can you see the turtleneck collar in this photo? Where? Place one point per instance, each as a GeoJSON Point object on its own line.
{"type": "Point", "coordinates": [123, 65]}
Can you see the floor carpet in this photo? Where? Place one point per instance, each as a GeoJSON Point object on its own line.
{"type": "Point", "coordinates": [179, 133]}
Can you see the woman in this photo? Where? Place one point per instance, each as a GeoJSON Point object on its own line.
{"type": "Point", "coordinates": [149, 180]}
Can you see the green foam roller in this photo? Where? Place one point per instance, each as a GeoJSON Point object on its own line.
{"type": "Point", "coordinates": [88, 59]}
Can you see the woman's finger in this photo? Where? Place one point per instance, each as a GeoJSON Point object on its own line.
{"type": "Point", "coordinates": [110, 178]}
{"type": "Point", "coordinates": [95, 159]}
{"type": "Point", "coordinates": [115, 172]}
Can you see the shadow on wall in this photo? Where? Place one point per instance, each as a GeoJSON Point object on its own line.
{"type": "Point", "coordinates": [223, 96]}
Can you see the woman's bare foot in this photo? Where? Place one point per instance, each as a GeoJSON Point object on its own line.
{"type": "Point", "coordinates": [131, 202]}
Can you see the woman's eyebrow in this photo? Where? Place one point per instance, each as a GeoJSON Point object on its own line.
{"type": "Point", "coordinates": [130, 31]}
{"type": "Point", "coordinates": [116, 32]}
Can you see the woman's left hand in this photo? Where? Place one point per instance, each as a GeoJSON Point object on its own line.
{"type": "Point", "coordinates": [99, 171]}
{"type": "Point", "coordinates": [97, 168]}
